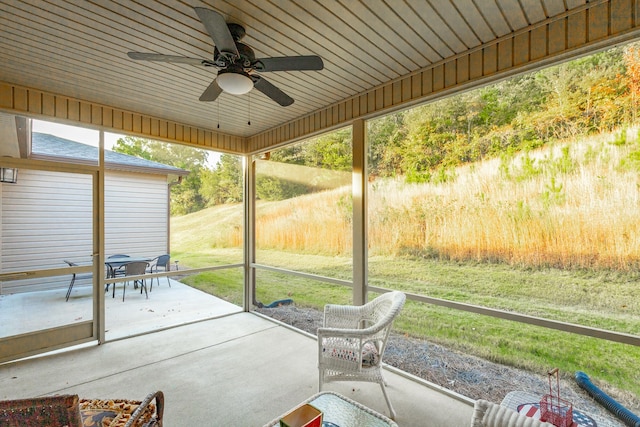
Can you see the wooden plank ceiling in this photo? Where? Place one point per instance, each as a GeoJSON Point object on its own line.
{"type": "Point", "coordinates": [78, 48]}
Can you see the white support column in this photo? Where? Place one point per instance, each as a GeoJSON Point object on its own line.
{"type": "Point", "coordinates": [249, 244]}
{"type": "Point", "coordinates": [98, 245]}
{"type": "Point", "coordinates": [359, 191]}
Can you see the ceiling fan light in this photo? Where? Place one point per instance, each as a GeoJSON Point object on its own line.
{"type": "Point", "coordinates": [235, 83]}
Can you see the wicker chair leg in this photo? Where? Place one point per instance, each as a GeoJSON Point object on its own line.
{"type": "Point", "coordinates": [392, 412]}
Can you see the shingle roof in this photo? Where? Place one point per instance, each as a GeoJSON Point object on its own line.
{"type": "Point", "coordinates": [50, 145]}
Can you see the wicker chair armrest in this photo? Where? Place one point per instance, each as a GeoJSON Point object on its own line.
{"type": "Point", "coordinates": [342, 333]}
{"type": "Point", "coordinates": [354, 332]}
{"type": "Point", "coordinates": [158, 396]}
{"type": "Point", "coordinates": [343, 316]}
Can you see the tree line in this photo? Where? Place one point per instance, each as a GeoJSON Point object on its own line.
{"type": "Point", "coordinates": [593, 94]}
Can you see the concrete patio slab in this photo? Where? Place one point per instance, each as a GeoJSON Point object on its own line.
{"type": "Point", "coordinates": [167, 306]}
{"type": "Point", "coordinates": [238, 370]}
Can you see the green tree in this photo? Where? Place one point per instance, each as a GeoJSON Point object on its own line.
{"type": "Point", "coordinates": [272, 188]}
{"type": "Point", "coordinates": [132, 146]}
{"type": "Point", "coordinates": [519, 114]}
{"type": "Point", "coordinates": [186, 197]}
{"type": "Point", "coordinates": [223, 184]}
{"type": "Point", "coordinates": [385, 136]}
{"type": "Point", "coordinates": [632, 65]}
{"type": "Point", "coordinates": [328, 151]}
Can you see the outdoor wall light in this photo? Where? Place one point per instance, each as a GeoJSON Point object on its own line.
{"type": "Point", "coordinates": [9, 175]}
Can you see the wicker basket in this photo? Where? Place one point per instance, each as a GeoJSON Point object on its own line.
{"type": "Point", "coordinates": [554, 409]}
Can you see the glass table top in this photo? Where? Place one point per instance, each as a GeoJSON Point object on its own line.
{"type": "Point", "coordinates": [340, 411]}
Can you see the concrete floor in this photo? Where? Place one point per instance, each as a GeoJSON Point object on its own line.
{"type": "Point", "coordinates": [166, 306]}
{"type": "Point", "coordinates": [238, 369]}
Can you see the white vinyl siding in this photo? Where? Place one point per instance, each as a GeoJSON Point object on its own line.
{"type": "Point", "coordinates": [136, 214]}
{"type": "Point", "coordinates": [47, 218]}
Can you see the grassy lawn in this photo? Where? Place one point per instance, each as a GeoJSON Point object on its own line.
{"type": "Point", "coordinates": [606, 301]}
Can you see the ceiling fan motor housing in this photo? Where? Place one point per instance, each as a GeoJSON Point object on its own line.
{"type": "Point", "coordinates": [245, 60]}
{"type": "Point", "coordinates": [237, 31]}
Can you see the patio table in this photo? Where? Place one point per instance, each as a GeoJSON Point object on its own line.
{"type": "Point", "coordinates": [340, 411]}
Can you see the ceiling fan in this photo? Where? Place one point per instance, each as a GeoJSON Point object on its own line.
{"type": "Point", "coordinates": [235, 62]}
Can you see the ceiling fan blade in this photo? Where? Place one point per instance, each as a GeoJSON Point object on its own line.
{"type": "Point", "coordinates": [218, 31]}
{"type": "Point", "coordinates": [271, 91]}
{"type": "Point", "coordinates": [140, 56]}
{"type": "Point", "coordinates": [211, 93]}
{"type": "Point", "coordinates": [289, 63]}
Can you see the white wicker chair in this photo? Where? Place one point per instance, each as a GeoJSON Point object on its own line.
{"type": "Point", "coordinates": [489, 414]}
{"type": "Point", "coordinates": [352, 340]}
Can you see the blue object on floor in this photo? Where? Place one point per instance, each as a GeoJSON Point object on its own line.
{"type": "Point", "coordinates": [279, 303]}
{"type": "Point", "coordinates": [628, 417]}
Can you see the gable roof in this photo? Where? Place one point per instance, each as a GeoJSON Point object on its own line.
{"type": "Point", "coordinates": [46, 145]}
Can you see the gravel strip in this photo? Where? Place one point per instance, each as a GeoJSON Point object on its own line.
{"type": "Point", "coordinates": [468, 375]}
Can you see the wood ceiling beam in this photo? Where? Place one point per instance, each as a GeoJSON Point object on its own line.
{"type": "Point", "coordinates": [38, 104]}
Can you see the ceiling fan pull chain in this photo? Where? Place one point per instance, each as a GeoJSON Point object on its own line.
{"type": "Point", "coordinates": [218, 113]}
{"type": "Point", "coordinates": [249, 108]}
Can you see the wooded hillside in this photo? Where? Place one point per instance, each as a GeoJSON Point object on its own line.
{"type": "Point", "coordinates": [591, 95]}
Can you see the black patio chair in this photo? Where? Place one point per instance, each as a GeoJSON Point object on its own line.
{"type": "Point", "coordinates": [74, 277]}
{"type": "Point", "coordinates": [113, 272]}
{"type": "Point", "coordinates": [134, 268]}
{"type": "Point", "coordinates": [161, 262]}
{"type": "Point", "coordinates": [116, 271]}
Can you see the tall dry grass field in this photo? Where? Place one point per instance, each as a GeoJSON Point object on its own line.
{"type": "Point", "coordinates": [313, 223]}
{"type": "Point", "coordinates": [568, 206]}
